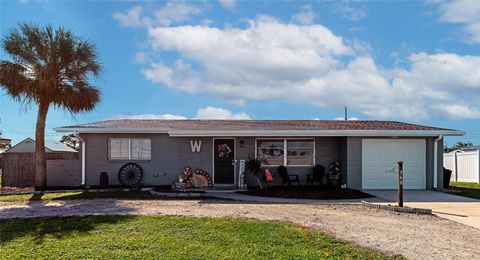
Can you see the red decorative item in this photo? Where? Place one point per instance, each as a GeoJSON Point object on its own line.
{"type": "Point", "coordinates": [268, 176]}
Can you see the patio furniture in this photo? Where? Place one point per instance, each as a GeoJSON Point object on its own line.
{"type": "Point", "coordinates": [286, 178]}
{"type": "Point", "coordinates": [316, 176]}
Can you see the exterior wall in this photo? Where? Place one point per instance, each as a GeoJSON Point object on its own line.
{"type": "Point", "coordinates": [429, 161]}
{"type": "Point", "coordinates": [354, 162]}
{"type": "Point", "coordinates": [440, 165]}
{"type": "Point", "coordinates": [169, 156]}
{"type": "Point", "coordinates": [64, 173]}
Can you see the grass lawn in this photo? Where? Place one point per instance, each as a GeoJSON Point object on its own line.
{"type": "Point", "coordinates": [151, 237]}
{"type": "Point", "coordinates": [466, 189]}
{"type": "Point", "coordinates": [80, 195]}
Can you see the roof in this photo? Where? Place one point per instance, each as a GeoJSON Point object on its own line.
{"type": "Point", "coordinates": [28, 145]}
{"type": "Point", "coordinates": [5, 139]}
{"type": "Point", "coordinates": [191, 127]}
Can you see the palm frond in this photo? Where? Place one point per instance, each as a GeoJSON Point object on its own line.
{"type": "Point", "coordinates": [50, 66]}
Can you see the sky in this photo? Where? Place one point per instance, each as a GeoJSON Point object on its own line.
{"type": "Point", "coordinates": [410, 61]}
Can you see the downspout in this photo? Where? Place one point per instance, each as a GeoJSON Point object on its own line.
{"type": "Point", "coordinates": [435, 161]}
{"type": "Point", "coordinates": [82, 141]}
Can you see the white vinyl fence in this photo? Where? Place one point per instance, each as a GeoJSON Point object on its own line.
{"type": "Point", "coordinates": [465, 165]}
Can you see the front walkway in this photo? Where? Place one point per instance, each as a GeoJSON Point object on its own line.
{"type": "Point", "coordinates": [260, 199]}
{"type": "Point", "coordinates": [457, 208]}
{"type": "Point", "coordinates": [414, 236]}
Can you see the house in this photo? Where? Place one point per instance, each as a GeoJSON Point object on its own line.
{"type": "Point", "coordinates": [464, 164]}
{"type": "Point", "coordinates": [367, 150]}
{"type": "Point", "coordinates": [28, 146]}
{"type": "Point", "coordinates": [5, 144]}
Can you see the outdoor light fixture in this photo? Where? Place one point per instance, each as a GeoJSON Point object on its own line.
{"type": "Point", "coordinates": [242, 143]}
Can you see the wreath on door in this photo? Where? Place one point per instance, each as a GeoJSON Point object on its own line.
{"type": "Point", "coordinates": [223, 150]}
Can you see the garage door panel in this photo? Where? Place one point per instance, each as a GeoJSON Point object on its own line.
{"type": "Point", "coordinates": [379, 163]}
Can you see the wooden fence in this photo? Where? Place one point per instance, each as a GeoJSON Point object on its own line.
{"type": "Point", "coordinates": [19, 168]}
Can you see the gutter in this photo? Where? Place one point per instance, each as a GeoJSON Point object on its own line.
{"type": "Point", "coordinates": [83, 156]}
{"type": "Point", "coordinates": [435, 161]}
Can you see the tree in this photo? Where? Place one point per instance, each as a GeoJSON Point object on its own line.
{"type": "Point", "coordinates": [71, 141]}
{"type": "Point", "coordinates": [457, 146]}
{"type": "Point", "coordinates": [46, 68]}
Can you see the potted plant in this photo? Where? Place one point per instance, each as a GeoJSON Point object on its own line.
{"type": "Point", "coordinates": [253, 167]}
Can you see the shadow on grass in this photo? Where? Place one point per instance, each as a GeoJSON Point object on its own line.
{"type": "Point", "coordinates": [58, 227]}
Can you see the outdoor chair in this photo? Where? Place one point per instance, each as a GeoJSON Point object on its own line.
{"type": "Point", "coordinates": [316, 176]}
{"type": "Point", "coordinates": [286, 178]}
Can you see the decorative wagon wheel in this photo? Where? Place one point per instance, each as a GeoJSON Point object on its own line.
{"type": "Point", "coordinates": [130, 175]}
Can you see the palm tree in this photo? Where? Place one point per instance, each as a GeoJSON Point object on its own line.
{"type": "Point", "coordinates": [48, 67]}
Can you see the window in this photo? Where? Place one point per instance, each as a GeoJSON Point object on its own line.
{"type": "Point", "coordinates": [129, 149]}
{"type": "Point", "coordinates": [286, 151]}
{"type": "Point", "coordinates": [300, 152]}
{"type": "Point", "coordinates": [270, 152]}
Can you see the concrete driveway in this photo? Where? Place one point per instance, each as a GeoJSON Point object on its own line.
{"type": "Point", "coordinates": [457, 208]}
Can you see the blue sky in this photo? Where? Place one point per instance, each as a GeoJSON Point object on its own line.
{"type": "Point", "coordinates": [410, 61]}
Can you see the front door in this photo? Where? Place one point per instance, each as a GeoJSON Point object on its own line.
{"type": "Point", "coordinates": [224, 161]}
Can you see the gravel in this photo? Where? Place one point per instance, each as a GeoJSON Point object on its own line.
{"type": "Point", "coordinates": [413, 236]}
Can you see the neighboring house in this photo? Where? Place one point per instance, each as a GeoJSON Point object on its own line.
{"type": "Point", "coordinates": [4, 146]}
{"type": "Point", "coordinates": [51, 146]}
{"type": "Point", "coordinates": [367, 150]}
{"type": "Point", "coordinates": [464, 164]}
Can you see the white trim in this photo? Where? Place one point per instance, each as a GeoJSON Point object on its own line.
{"type": "Point", "coordinates": [229, 133]}
{"type": "Point", "coordinates": [83, 158]}
{"type": "Point", "coordinates": [234, 161]}
{"type": "Point", "coordinates": [285, 148]}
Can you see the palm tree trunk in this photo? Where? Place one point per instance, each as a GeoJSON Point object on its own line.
{"type": "Point", "coordinates": [40, 158]}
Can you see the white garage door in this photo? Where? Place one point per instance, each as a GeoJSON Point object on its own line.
{"type": "Point", "coordinates": [379, 163]}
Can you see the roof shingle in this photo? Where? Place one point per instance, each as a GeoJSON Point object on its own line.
{"type": "Point", "coordinates": [202, 125]}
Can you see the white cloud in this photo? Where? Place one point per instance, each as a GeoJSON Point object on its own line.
{"type": "Point", "coordinates": [306, 15]}
{"type": "Point", "coordinates": [227, 4]}
{"type": "Point", "coordinates": [459, 111]}
{"type": "Point", "coordinates": [171, 12]}
{"type": "Point", "coordinates": [343, 118]}
{"type": "Point", "coordinates": [202, 113]}
{"type": "Point", "coordinates": [219, 113]}
{"type": "Point", "coordinates": [131, 18]}
{"type": "Point", "coordinates": [177, 11]}
{"type": "Point", "coordinates": [148, 116]}
{"type": "Point", "coordinates": [142, 57]}
{"type": "Point", "coordinates": [464, 12]}
{"type": "Point", "coordinates": [350, 11]}
{"type": "Point", "coordinates": [309, 64]}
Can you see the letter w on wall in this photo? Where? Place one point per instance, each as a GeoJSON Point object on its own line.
{"type": "Point", "coordinates": [196, 145]}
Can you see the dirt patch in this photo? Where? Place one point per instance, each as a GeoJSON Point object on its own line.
{"type": "Point", "coordinates": [15, 190]}
{"type": "Point", "coordinates": [301, 192]}
{"type": "Point", "coordinates": [413, 236]}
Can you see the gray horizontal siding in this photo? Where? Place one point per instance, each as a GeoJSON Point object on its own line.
{"type": "Point", "coordinates": [169, 156]}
